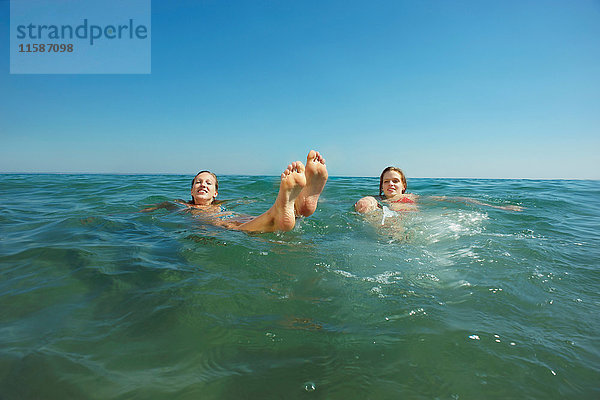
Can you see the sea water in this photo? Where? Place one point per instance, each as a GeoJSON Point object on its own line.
{"type": "Point", "coordinates": [453, 301]}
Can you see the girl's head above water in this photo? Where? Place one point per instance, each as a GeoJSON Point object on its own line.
{"type": "Point", "coordinates": [208, 172]}
{"type": "Point", "coordinates": [205, 188]}
{"type": "Point", "coordinates": [392, 182]}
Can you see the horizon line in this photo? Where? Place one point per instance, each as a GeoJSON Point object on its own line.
{"type": "Point", "coordinates": [263, 175]}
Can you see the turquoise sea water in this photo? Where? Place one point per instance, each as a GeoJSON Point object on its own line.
{"type": "Point", "coordinates": [98, 301]}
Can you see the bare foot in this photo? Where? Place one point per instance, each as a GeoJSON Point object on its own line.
{"type": "Point", "coordinates": [293, 181]}
{"type": "Point", "coordinates": [281, 215]}
{"type": "Point", "coordinates": [316, 176]}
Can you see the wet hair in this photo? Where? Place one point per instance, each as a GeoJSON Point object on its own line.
{"type": "Point", "coordinates": [398, 170]}
{"type": "Point", "coordinates": [208, 172]}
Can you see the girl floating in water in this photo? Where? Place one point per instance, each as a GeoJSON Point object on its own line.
{"type": "Point", "coordinates": [392, 183]}
{"type": "Point", "coordinates": [299, 191]}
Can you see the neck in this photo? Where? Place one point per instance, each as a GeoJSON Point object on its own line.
{"type": "Point", "coordinates": [202, 202]}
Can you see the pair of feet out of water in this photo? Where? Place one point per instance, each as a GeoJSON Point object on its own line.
{"type": "Point", "coordinates": [299, 191]}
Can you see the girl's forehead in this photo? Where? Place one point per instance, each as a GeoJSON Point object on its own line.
{"type": "Point", "coordinates": [204, 177]}
{"type": "Point", "coordinates": [391, 174]}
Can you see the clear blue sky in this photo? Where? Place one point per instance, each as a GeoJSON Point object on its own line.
{"type": "Point", "coordinates": [491, 89]}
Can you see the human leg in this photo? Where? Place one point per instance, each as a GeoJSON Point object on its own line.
{"type": "Point", "coordinates": [281, 215]}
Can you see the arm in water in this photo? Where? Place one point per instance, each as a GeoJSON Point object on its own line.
{"type": "Point", "coordinates": [167, 205]}
{"type": "Point", "coordinates": [477, 202]}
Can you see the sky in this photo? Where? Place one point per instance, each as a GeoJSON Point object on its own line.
{"type": "Point", "coordinates": [473, 89]}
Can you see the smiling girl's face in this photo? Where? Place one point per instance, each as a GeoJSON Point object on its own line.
{"type": "Point", "coordinates": [204, 189]}
{"type": "Point", "coordinates": [392, 184]}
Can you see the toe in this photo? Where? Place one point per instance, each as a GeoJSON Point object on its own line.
{"type": "Point", "coordinates": [319, 158]}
